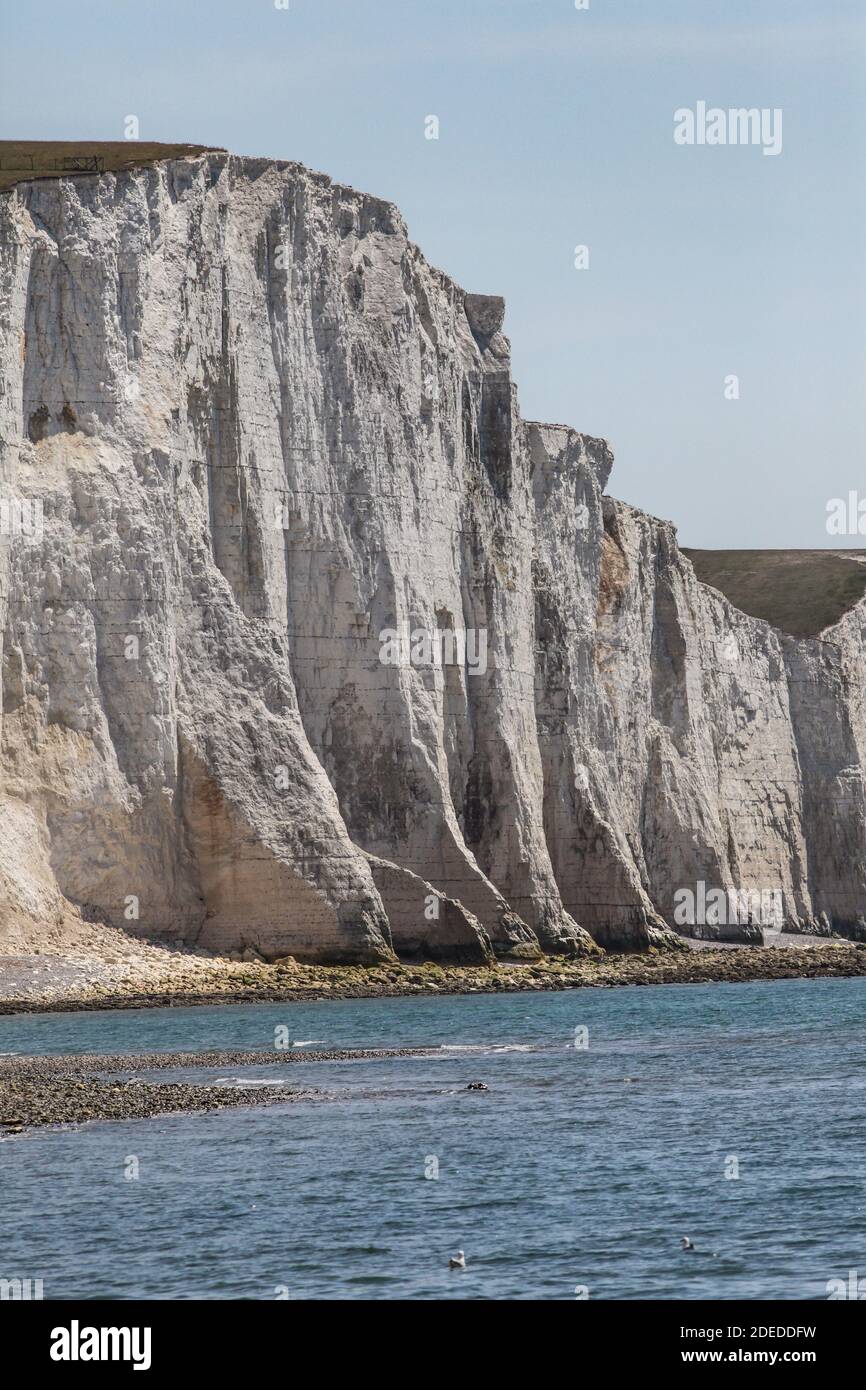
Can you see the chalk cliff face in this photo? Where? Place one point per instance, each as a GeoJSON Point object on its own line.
{"type": "Point", "coordinates": [245, 430]}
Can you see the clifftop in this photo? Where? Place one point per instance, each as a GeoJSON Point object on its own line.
{"type": "Point", "coordinates": [802, 592]}
{"type": "Point", "coordinates": [24, 160]}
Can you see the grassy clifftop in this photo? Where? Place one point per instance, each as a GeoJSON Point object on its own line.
{"type": "Point", "coordinates": [46, 159]}
{"type": "Point", "coordinates": [800, 591]}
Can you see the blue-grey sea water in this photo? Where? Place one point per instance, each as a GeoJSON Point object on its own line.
{"type": "Point", "coordinates": [579, 1169]}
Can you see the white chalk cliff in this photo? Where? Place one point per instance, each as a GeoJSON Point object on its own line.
{"type": "Point", "coordinates": [262, 430]}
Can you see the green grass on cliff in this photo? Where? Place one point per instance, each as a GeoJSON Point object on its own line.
{"type": "Point", "coordinates": [52, 159]}
{"type": "Point", "coordinates": [800, 591]}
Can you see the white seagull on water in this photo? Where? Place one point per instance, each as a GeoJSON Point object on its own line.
{"type": "Point", "coordinates": [457, 1261]}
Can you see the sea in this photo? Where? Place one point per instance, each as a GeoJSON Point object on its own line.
{"type": "Point", "coordinates": [615, 1122]}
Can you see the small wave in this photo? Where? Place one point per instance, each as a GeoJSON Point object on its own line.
{"type": "Point", "coordinates": [489, 1047]}
{"type": "Point", "coordinates": [309, 1042]}
{"type": "Point", "coordinates": [245, 1083]}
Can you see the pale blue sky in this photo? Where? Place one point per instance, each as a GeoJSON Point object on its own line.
{"type": "Point", "coordinates": [557, 129]}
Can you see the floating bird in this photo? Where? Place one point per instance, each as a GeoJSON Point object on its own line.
{"type": "Point", "coordinates": [477, 1086]}
{"type": "Point", "coordinates": [693, 1249]}
{"type": "Point", "coordinates": [457, 1261]}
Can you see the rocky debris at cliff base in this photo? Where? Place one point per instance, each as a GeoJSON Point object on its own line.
{"type": "Point", "coordinates": [155, 977]}
{"type": "Point", "coordinates": [798, 941]}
